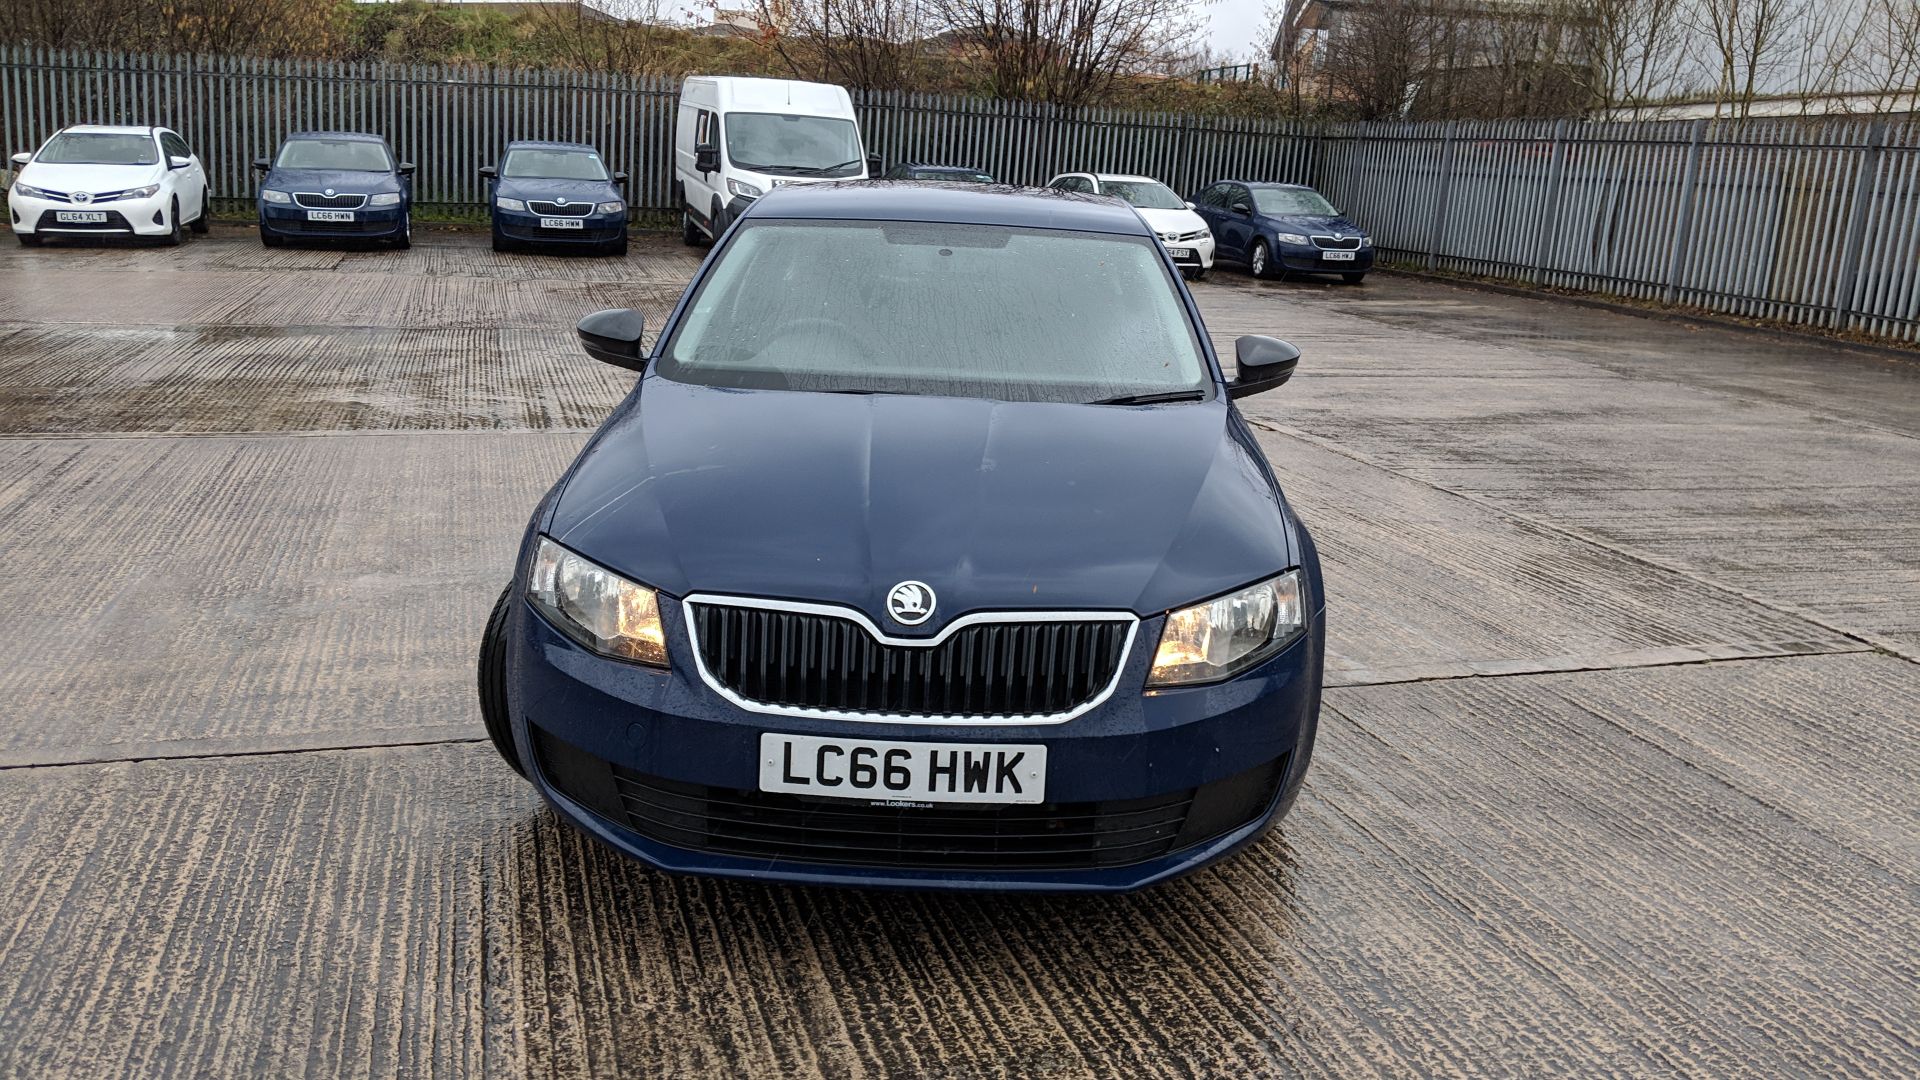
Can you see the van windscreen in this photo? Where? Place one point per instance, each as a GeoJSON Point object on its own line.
{"type": "Point", "coordinates": [793, 145]}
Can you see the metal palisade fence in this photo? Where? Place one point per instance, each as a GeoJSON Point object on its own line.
{"type": "Point", "coordinates": [1816, 223]}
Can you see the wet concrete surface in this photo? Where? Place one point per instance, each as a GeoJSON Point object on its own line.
{"type": "Point", "coordinates": [1619, 772]}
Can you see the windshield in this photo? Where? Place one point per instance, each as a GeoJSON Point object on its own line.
{"type": "Point", "coordinates": [350, 155]}
{"type": "Point", "coordinates": [1145, 194]}
{"type": "Point", "coordinates": [793, 145]}
{"type": "Point", "coordinates": [96, 148]}
{"type": "Point", "coordinates": [554, 165]}
{"type": "Point", "coordinates": [1292, 201]}
{"type": "Point", "coordinates": [956, 310]}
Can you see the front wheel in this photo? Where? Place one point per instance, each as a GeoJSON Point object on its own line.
{"type": "Point", "coordinates": [1197, 273]}
{"type": "Point", "coordinates": [690, 233]}
{"type": "Point", "coordinates": [174, 235]}
{"type": "Point", "coordinates": [405, 239]}
{"type": "Point", "coordinates": [493, 682]}
{"type": "Point", "coordinates": [1353, 279]}
{"type": "Point", "coordinates": [1260, 262]}
{"type": "Point", "coordinates": [27, 239]}
{"type": "Point", "coordinates": [206, 209]}
{"type": "Point", "coordinates": [618, 247]}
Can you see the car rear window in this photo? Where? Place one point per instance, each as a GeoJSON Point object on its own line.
{"type": "Point", "coordinates": [920, 308]}
{"type": "Point", "coordinates": [99, 148]}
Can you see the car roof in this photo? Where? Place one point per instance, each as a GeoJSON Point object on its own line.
{"type": "Point", "coordinates": [937, 168]}
{"type": "Point", "coordinates": [112, 129]}
{"type": "Point", "coordinates": [1103, 177]}
{"type": "Point", "coordinates": [1268, 185]}
{"type": "Point", "coordinates": [357, 136]}
{"type": "Point", "coordinates": [960, 204]}
{"type": "Point", "coordinates": [548, 144]}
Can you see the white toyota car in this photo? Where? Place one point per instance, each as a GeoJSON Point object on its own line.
{"type": "Point", "coordinates": [1183, 232]}
{"type": "Point", "coordinates": [117, 181]}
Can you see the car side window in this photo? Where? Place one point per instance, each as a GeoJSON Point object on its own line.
{"type": "Point", "coordinates": [1214, 196]}
{"type": "Point", "coordinates": [703, 131]}
{"type": "Point", "coordinates": [1077, 183]}
{"type": "Point", "coordinates": [1239, 197]}
{"type": "Point", "coordinates": [174, 145]}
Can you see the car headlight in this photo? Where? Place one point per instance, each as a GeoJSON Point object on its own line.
{"type": "Point", "coordinates": [1366, 241]}
{"type": "Point", "coordinates": [147, 192]}
{"type": "Point", "coordinates": [30, 191]}
{"type": "Point", "coordinates": [1292, 238]}
{"type": "Point", "coordinates": [278, 198]}
{"type": "Point", "coordinates": [614, 207]}
{"type": "Point", "coordinates": [597, 607]}
{"type": "Point", "coordinates": [1211, 641]}
{"type": "Point", "coordinates": [505, 203]}
{"type": "Point", "coordinates": [745, 191]}
{"type": "Point", "coordinates": [385, 198]}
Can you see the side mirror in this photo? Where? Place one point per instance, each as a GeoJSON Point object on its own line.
{"type": "Point", "coordinates": [261, 164]}
{"type": "Point", "coordinates": [179, 162]}
{"type": "Point", "coordinates": [874, 165]}
{"type": "Point", "coordinates": [1242, 208]}
{"type": "Point", "coordinates": [619, 178]}
{"type": "Point", "coordinates": [489, 172]}
{"type": "Point", "coordinates": [22, 159]}
{"type": "Point", "coordinates": [1190, 205]}
{"type": "Point", "coordinates": [406, 168]}
{"type": "Point", "coordinates": [706, 157]}
{"type": "Point", "coordinates": [613, 337]}
{"type": "Point", "coordinates": [1263, 363]}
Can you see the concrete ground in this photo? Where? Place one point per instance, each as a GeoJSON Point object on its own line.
{"type": "Point", "coordinates": [1619, 773]}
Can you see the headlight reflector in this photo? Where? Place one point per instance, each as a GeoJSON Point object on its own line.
{"type": "Point", "coordinates": [744, 190]}
{"type": "Point", "coordinates": [278, 198]}
{"type": "Point", "coordinates": [1366, 241]}
{"type": "Point", "coordinates": [505, 203]}
{"type": "Point", "coordinates": [597, 607]}
{"type": "Point", "coordinates": [135, 193]}
{"type": "Point", "coordinates": [611, 207]}
{"type": "Point", "coordinates": [30, 191]}
{"type": "Point", "coordinates": [385, 198]}
{"type": "Point", "coordinates": [1211, 641]}
{"type": "Point", "coordinates": [1292, 238]}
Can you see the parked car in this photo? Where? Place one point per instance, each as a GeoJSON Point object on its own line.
{"type": "Point", "coordinates": [929, 550]}
{"type": "Point", "coordinates": [738, 138]}
{"type": "Point", "coordinates": [1277, 229]}
{"type": "Point", "coordinates": [335, 185]}
{"type": "Point", "coordinates": [556, 193]}
{"type": "Point", "coordinates": [1182, 231]}
{"type": "Point", "coordinates": [953, 173]}
{"type": "Point", "coordinates": [90, 180]}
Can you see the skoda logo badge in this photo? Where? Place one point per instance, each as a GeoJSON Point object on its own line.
{"type": "Point", "coordinates": [329, 193]}
{"type": "Point", "coordinates": [82, 196]}
{"type": "Point", "coordinates": [910, 603]}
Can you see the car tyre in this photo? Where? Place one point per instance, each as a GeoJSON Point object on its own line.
{"type": "Point", "coordinates": [501, 243]}
{"type": "Point", "coordinates": [200, 223]}
{"type": "Point", "coordinates": [175, 235]}
{"type": "Point", "coordinates": [493, 681]}
{"type": "Point", "coordinates": [27, 239]}
{"type": "Point", "coordinates": [1260, 260]}
{"type": "Point", "coordinates": [619, 246]}
{"type": "Point", "coordinates": [405, 239]}
{"type": "Point", "coordinates": [270, 239]}
{"type": "Point", "coordinates": [1198, 273]}
{"type": "Point", "coordinates": [1353, 279]}
{"type": "Point", "coordinates": [690, 233]}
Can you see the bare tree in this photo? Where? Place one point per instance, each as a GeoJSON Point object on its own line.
{"type": "Point", "coordinates": [629, 36]}
{"type": "Point", "coordinates": [1070, 52]}
{"type": "Point", "coordinates": [869, 44]}
{"type": "Point", "coordinates": [1636, 51]}
{"type": "Point", "coordinates": [1888, 57]}
{"type": "Point", "coordinates": [1750, 43]}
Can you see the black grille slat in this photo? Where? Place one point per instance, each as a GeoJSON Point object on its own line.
{"type": "Point", "coordinates": [553, 209]}
{"type": "Point", "coordinates": [829, 662]}
{"type": "Point", "coordinates": [317, 200]}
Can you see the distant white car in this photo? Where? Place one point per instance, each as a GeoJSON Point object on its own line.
{"type": "Point", "coordinates": [127, 181]}
{"type": "Point", "coordinates": [1183, 232]}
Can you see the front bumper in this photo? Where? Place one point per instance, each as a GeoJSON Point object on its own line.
{"type": "Point", "coordinates": [291, 222]}
{"type": "Point", "coordinates": [125, 217]}
{"type": "Point", "coordinates": [1313, 260]}
{"type": "Point", "coordinates": [527, 228]}
{"type": "Point", "coordinates": [651, 762]}
{"type": "Point", "coordinates": [1198, 253]}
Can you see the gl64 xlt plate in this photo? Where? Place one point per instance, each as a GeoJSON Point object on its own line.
{"type": "Point", "coordinates": [81, 217]}
{"type": "Point", "coordinates": [903, 771]}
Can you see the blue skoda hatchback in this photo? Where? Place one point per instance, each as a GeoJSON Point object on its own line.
{"type": "Point", "coordinates": [556, 193]}
{"type": "Point", "coordinates": [928, 550]}
{"type": "Point", "coordinates": [335, 185]}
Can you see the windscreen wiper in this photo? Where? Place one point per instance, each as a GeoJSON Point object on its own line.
{"type": "Point", "coordinates": [1152, 399]}
{"type": "Point", "coordinates": [825, 169]}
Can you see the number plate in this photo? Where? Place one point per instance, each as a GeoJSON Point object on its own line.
{"type": "Point", "coordinates": [906, 772]}
{"type": "Point", "coordinates": [1180, 253]}
{"type": "Point", "coordinates": [329, 215]}
{"type": "Point", "coordinates": [560, 223]}
{"type": "Point", "coordinates": [81, 217]}
{"type": "Point", "coordinates": [1337, 256]}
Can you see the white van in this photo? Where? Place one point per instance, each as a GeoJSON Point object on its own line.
{"type": "Point", "coordinates": [737, 139]}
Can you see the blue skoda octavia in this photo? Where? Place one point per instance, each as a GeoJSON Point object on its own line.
{"type": "Point", "coordinates": [559, 194]}
{"type": "Point", "coordinates": [335, 185]}
{"type": "Point", "coordinates": [929, 550]}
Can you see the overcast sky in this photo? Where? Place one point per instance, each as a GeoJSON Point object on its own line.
{"type": "Point", "coordinates": [1232, 26]}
